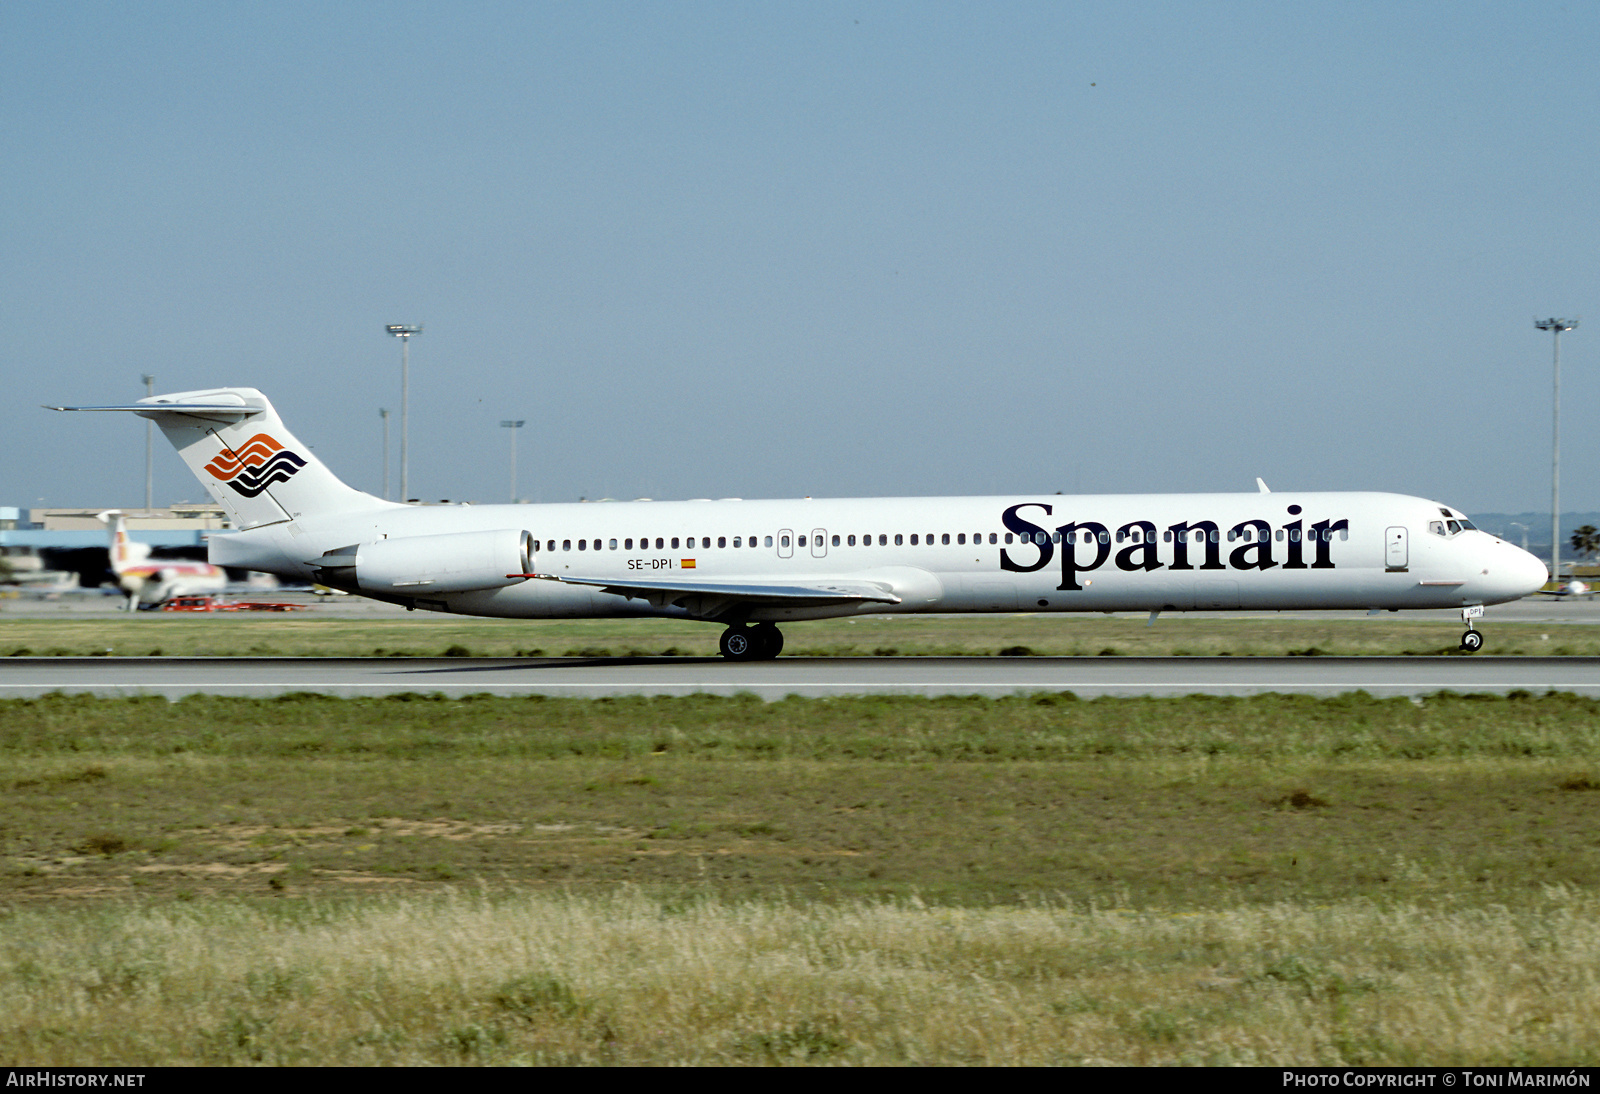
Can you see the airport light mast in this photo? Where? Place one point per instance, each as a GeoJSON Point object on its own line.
{"type": "Point", "coordinates": [383, 412]}
{"type": "Point", "coordinates": [513, 426]}
{"type": "Point", "coordinates": [404, 332]}
{"type": "Point", "coordinates": [149, 445]}
{"type": "Point", "coordinates": [1555, 327]}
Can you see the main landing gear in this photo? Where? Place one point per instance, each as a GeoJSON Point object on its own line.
{"type": "Point", "coordinates": [761, 642]}
{"type": "Point", "coordinates": [1472, 641]}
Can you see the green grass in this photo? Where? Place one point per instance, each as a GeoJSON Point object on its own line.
{"type": "Point", "coordinates": [424, 634]}
{"type": "Point", "coordinates": [1199, 800]}
{"type": "Point", "coordinates": [1028, 880]}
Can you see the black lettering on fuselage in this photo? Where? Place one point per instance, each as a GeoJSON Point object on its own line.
{"type": "Point", "coordinates": [1180, 545]}
{"type": "Point", "coordinates": [1322, 532]}
{"type": "Point", "coordinates": [1146, 546]}
{"type": "Point", "coordinates": [1291, 532]}
{"type": "Point", "coordinates": [1069, 551]}
{"type": "Point", "coordinates": [1257, 553]}
{"type": "Point", "coordinates": [1031, 533]}
{"type": "Point", "coordinates": [1262, 546]}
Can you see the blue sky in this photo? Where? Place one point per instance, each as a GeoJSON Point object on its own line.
{"type": "Point", "coordinates": [770, 250]}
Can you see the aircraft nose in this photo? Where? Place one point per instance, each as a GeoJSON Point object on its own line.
{"type": "Point", "coordinates": [1521, 574]}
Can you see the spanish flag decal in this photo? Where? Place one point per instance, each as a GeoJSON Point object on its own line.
{"type": "Point", "coordinates": [687, 564]}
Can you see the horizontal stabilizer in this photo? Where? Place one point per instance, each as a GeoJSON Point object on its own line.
{"type": "Point", "coordinates": [198, 410]}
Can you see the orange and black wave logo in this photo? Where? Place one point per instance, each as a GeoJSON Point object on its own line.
{"type": "Point", "coordinates": [255, 465]}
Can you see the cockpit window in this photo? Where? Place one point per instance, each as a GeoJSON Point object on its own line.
{"type": "Point", "coordinates": [1453, 525]}
{"type": "Point", "coordinates": [1436, 527]}
{"type": "Point", "coordinates": [1467, 524]}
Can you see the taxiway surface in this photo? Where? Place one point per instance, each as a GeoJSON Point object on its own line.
{"type": "Point", "coordinates": [593, 677]}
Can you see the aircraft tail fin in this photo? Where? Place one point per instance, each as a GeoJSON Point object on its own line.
{"type": "Point", "coordinates": [237, 446]}
{"type": "Point", "coordinates": [124, 552]}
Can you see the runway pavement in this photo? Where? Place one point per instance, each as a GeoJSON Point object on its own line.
{"type": "Point", "coordinates": [592, 677]}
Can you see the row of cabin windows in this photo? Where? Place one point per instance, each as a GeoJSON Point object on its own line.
{"type": "Point", "coordinates": [1135, 535]}
{"type": "Point", "coordinates": [662, 544]}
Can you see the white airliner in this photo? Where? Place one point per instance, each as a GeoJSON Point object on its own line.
{"type": "Point", "coordinates": [148, 582]}
{"type": "Point", "coordinates": [749, 565]}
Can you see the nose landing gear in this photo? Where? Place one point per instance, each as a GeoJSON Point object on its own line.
{"type": "Point", "coordinates": [761, 642]}
{"type": "Point", "coordinates": [1472, 641]}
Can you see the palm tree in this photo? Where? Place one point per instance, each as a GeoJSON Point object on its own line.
{"type": "Point", "coordinates": [1586, 540]}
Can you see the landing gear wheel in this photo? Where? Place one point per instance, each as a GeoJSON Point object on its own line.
{"type": "Point", "coordinates": [739, 644]}
{"type": "Point", "coordinates": [1471, 642]}
{"type": "Point", "coordinates": [769, 640]}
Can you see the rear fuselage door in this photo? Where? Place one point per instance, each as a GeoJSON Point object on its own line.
{"type": "Point", "coordinates": [1395, 553]}
{"type": "Point", "coordinates": [785, 542]}
{"type": "Point", "coordinates": [819, 543]}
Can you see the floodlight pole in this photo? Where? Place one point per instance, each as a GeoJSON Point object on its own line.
{"type": "Point", "coordinates": [383, 412]}
{"type": "Point", "coordinates": [1555, 327]}
{"type": "Point", "coordinates": [404, 332]}
{"type": "Point", "coordinates": [513, 426]}
{"type": "Point", "coordinates": [149, 446]}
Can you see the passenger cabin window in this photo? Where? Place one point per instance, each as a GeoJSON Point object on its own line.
{"type": "Point", "coordinates": [674, 543]}
{"type": "Point", "coordinates": [783, 541]}
{"type": "Point", "coordinates": [836, 541]}
{"type": "Point", "coordinates": [769, 541]}
{"type": "Point", "coordinates": [961, 538]}
{"type": "Point", "coordinates": [583, 545]}
{"type": "Point", "coordinates": [722, 541]}
{"type": "Point", "coordinates": [851, 540]}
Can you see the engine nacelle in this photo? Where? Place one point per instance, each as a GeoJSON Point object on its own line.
{"type": "Point", "coordinates": [456, 562]}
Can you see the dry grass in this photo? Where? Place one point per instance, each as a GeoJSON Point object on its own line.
{"type": "Point", "coordinates": [631, 980]}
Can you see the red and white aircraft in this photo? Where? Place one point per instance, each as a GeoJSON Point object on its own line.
{"type": "Point", "coordinates": [749, 565]}
{"type": "Point", "coordinates": [151, 582]}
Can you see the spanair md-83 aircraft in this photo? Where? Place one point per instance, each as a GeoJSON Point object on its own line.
{"type": "Point", "coordinates": [750, 565]}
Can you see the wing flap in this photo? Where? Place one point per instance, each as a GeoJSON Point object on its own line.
{"type": "Point", "coordinates": [797, 594]}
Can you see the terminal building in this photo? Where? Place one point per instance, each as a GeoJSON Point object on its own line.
{"type": "Point", "coordinates": [67, 548]}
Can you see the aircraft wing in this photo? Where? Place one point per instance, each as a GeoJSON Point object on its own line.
{"type": "Point", "coordinates": [660, 591]}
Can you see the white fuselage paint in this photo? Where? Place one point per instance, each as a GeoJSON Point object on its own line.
{"type": "Point", "coordinates": [1359, 565]}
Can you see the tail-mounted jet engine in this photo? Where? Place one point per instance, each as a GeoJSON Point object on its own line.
{"type": "Point", "coordinates": [456, 562]}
